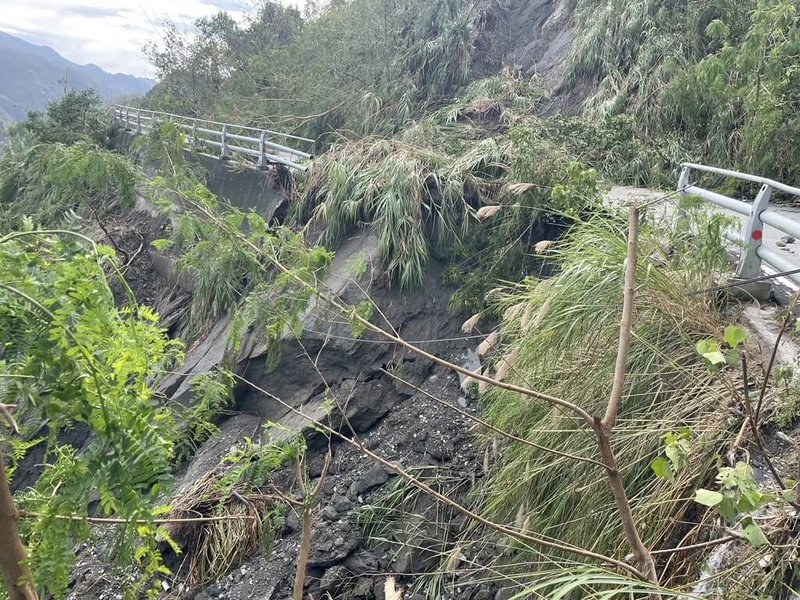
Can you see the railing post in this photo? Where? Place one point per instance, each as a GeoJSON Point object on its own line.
{"type": "Point", "coordinates": [262, 151]}
{"type": "Point", "coordinates": [224, 150]}
{"type": "Point", "coordinates": [138, 121]}
{"type": "Point", "coordinates": [753, 235]}
{"type": "Point", "coordinates": [127, 119]}
{"type": "Point", "coordinates": [683, 181]}
{"type": "Point", "coordinates": [194, 135]}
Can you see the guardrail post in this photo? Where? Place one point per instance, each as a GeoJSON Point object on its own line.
{"type": "Point", "coordinates": [749, 262]}
{"type": "Point", "coordinates": [138, 121]}
{"type": "Point", "coordinates": [194, 134]}
{"type": "Point", "coordinates": [127, 119]}
{"type": "Point", "coordinates": [262, 151]}
{"type": "Point", "coordinates": [683, 181]}
{"type": "Point", "coordinates": [224, 150]}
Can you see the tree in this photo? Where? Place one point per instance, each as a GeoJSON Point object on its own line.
{"type": "Point", "coordinates": [71, 359]}
{"type": "Point", "coordinates": [78, 115]}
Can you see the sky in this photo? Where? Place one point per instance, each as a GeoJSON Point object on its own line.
{"type": "Point", "coordinates": [110, 34]}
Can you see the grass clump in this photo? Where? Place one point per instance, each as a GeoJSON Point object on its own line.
{"type": "Point", "coordinates": [558, 337]}
{"type": "Point", "coordinates": [418, 198]}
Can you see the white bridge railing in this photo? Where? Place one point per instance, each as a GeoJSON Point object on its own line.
{"type": "Point", "coordinates": [265, 146]}
{"type": "Point", "coordinates": [758, 215]}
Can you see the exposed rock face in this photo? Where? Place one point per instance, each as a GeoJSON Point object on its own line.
{"type": "Point", "coordinates": [541, 34]}
{"type": "Point", "coordinates": [343, 562]}
{"type": "Point", "coordinates": [534, 37]}
{"type": "Point", "coordinates": [393, 420]}
{"type": "Point", "coordinates": [326, 363]}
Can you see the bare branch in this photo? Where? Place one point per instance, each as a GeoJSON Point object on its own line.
{"type": "Point", "coordinates": [6, 412]}
{"type": "Point", "coordinates": [624, 347]}
{"type": "Point", "coordinates": [513, 533]}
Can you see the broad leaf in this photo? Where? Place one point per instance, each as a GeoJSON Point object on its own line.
{"type": "Point", "coordinates": [752, 532]}
{"type": "Point", "coordinates": [735, 336]}
{"type": "Point", "coordinates": [708, 497]}
{"type": "Point", "coordinates": [715, 358]}
{"type": "Point", "coordinates": [662, 469]}
{"type": "Point", "coordinates": [704, 347]}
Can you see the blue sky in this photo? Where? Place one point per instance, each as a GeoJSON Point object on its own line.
{"type": "Point", "coordinates": [108, 33]}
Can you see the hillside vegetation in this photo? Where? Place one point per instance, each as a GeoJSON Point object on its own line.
{"type": "Point", "coordinates": [617, 434]}
{"type": "Point", "coordinates": [716, 80]}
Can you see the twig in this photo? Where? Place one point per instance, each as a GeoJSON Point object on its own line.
{"type": "Point", "coordinates": [719, 542]}
{"type": "Point", "coordinates": [5, 412]}
{"type": "Point", "coordinates": [771, 364]}
{"type": "Point", "coordinates": [743, 282]}
{"type": "Point", "coordinates": [753, 420]}
{"type": "Point", "coordinates": [109, 236]}
{"type": "Point", "coordinates": [603, 428]}
{"type": "Point", "coordinates": [491, 427]}
{"type": "Point", "coordinates": [26, 514]}
{"type": "Point", "coordinates": [748, 407]}
{"type": "Point", "coordinates": [626, 325]}
{"type": "Point", "coordinates": [310, 498]}
{"type": "Point", "coordinates": [556, 545]}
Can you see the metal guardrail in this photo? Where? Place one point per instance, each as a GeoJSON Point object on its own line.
{"type": "Point", "coordinates": [229, 139]}
{"type": "Point", "coordinates": [754, 252]}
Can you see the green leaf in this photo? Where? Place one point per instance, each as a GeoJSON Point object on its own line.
{"type": "Point", "coordinates": [735, 336]}
{"type": "Point", "coordinates": [704, 347]}
{"type": "Point", "coordinates": [662, 469]}
{"type": "Point", "coordinates": [715, 358]}
{"type": "Point", "coordinates": [677, 452]}
{"type": "Point", "coordinates": [708, 497]}
{"type": "Point", "coordinates": [752, 532]}
{"type": "Point", "coordinates": [717, 29]}
{"type": "Point", "coordinates": [162, 244]}
{"type": "Point", "coordinates": [727, 509]}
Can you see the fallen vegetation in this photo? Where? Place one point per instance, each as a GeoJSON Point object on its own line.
{"type": "Point", "coordinates": [615, 416]}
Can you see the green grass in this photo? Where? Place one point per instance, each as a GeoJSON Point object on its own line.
{"type": "Point", "coordinates": [417, 197]}
{"type": "Point", "coordinates": [560, 336]}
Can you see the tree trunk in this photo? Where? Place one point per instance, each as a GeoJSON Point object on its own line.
{"type": "Point", "coordinates": [305, 549]}
{"type": "Point", "coordinates": [642, 555]}
{"type": "Point", "coordinates": [13, 561]}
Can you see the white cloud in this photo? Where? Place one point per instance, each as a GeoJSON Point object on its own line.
{"type": "Point", "coordinates": [108, 34]}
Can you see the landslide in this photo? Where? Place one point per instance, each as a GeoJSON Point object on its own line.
{"type": "Point", "coordinates": [457, 151]}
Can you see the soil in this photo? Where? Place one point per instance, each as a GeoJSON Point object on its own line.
{"type": "Point", "coordinates": [534, 38]}
{"type": "Point", "coordinates": [131, 234]}
{"type": "Point", "coordinates": [421, 436]}
{"type": "Point", "coordinates": [400, 424]}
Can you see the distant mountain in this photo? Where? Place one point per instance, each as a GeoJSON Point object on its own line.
{"type": "Point", "coordinates": [31, 76]}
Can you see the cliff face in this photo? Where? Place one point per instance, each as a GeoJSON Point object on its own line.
{"type": "Point", "coordinates": [534, 38]}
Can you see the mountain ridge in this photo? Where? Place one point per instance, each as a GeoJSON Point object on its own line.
{"type": "Point", "coordinates": [33, 75]}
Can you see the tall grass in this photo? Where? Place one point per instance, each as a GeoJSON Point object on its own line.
{"type": "Point", "coordinates": [560, 337]}
{"type": "Point", "coordinates": [418, 198]}
{"type": "Point", "coordinates": [44, 181]}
